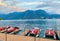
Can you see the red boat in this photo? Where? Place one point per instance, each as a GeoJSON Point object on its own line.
{"type": "Point", "coordinates": [50, 33]}
{"type": "Point", "coordinates": [1, 28]}
{"type": "Point", "coordinates": [33, 32]}
{"type": "Point", "coordinates": [10, 29]}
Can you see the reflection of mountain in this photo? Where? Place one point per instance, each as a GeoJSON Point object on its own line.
{"type": "Point", "coordinates": [29, 14]}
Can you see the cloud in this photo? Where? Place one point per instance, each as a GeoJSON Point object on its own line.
{"type": "Point", "coordinates": [2, 4]}
{"type": "Point", "coordinates": [9, 9]}
{"type": "Point", "coordinates": [14, 8]}
{"type": "Point", "coordinates": [50, 6]}
{"type": "Point", "coordinates": [8, 6]}
{"type": "Point", "coordinates": [58, 2]}
{"type": "Point", "coordinates": [17, 5]}
{"type": "Point", "coordinates": [31, 3]}
{"type": "Point", "coordinates": [5, 8]}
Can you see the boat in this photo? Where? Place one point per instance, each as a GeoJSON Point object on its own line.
{"type": "Point", "coordinates": [50, 33]}
{"type": "Point", "coordinates": [33, 32]}
{"type": "Point", "coordinates": [9, 30]}
{"type": "Point", "coordinates": [12, 30]}
{"type": "Point", "coordinates": [2, 29]}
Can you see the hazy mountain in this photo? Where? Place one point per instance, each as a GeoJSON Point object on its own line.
{"type": "Point", "coordinates": [29, 14]}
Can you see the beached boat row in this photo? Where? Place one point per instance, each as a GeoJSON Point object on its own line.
{"type": "Point", "coordinates": [34, 32]}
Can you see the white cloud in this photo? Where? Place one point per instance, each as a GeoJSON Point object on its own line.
{"type": "Point", "coordinates": [57, 11]}
{"type": "Point", "coordinates": [31, 3]}
{"type": "Point", "coordinates": [17, 5]}
{"type": "Point", "coordinates": [51, 10]}
{"type": "Point", "coordinates": [51, 6]}
{"type": "Point", "coordinates": [5, 8]}
{"type": "Point", "coordinates": [57, 2]}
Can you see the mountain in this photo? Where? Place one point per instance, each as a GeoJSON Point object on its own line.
{"type": "Point", "coordinates": [3, 16]}
{"type": "Point", "coordinates": [56, 16]}
{"type": "Point", "coordinates": [29, 14]}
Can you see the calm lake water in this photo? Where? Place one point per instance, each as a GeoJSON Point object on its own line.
{"type": "Point", "coordinates": [28, 24]}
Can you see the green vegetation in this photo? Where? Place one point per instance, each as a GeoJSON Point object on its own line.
{"type": "Point", "coordinates": [1, 19]}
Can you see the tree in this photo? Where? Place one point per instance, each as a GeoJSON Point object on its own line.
{"type": "Point", "coordinates": [1, 19]}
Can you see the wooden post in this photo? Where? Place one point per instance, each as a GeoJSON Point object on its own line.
{"type": "Point", "coordinates": [6, 35]}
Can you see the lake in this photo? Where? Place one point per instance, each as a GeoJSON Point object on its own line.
{"type": "Point", "coordinates": [30, 23]}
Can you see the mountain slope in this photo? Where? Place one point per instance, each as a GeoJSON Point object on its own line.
{"type": "Point", "coordinates": [29, 14]}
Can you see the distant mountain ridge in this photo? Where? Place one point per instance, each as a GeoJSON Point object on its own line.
{"type": "Point", "coordinates": [29, 14]}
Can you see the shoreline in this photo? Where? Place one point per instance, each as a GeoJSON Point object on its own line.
{"type": "Point", "coordinates": [12, 37]}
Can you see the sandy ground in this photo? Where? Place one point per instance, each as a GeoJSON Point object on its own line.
{"type": "Point", "coordinates": [25, 38]}
{"type": "Point", "coordinates": [25, 32]}
{"type": "Point", "coordinates": [2, 37]}
{"type": "Point", "coordinates": [58, 34]}
{"type": "Point", "coordinates": [21, 37]}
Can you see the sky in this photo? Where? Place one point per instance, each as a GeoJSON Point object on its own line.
{"type": "Point", "coordinates": [8, 6]}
